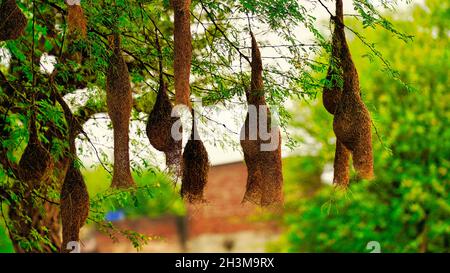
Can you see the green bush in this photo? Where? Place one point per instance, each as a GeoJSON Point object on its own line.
{"type": "Point", "coordinates": [407, 207]}
{"type": "Point", "coordinates": [155, 195]}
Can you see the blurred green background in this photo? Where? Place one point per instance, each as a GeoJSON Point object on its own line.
{"type": "Point", "coordinates": [407, 207]}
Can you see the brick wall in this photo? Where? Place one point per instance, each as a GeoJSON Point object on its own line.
{"type": "Point", "coordinates": [223, 224]}
{"type": "Point", "coordinates": [225, 212]}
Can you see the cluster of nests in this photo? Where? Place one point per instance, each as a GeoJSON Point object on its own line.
{"type": "Point", "coordinates": [74, 195]}
{"type": "Point", "coordinates": [193, 164]}
{"type": "Point", "coordinates": [265, 180]}
{"type": "Point", "coordinates": [341, 98]}
{"type": "Point", "coordinates": [36, 163]}
{"type": "Point", "coordinates": [13, 22]}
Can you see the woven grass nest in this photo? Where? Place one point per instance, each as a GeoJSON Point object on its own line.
{"type": "Point", "coordinates": [74, 205]}
{"type": "Point", "coordinates": [331, 97]}
{"type": "Point", "coordinates": [352, 122]}
{"type": "Point", "coordinates": [119, 101]}
{"type": "Point", "coordinates": [13, 22]}
{"type": "Point", "coordinates": [36, 163]}
{"type": "Point", "coordinates": [265, 179]}
{"type": "Point", "coordinates": [159, 130]}
{"type": "Point", "coordinates": [195, 168]}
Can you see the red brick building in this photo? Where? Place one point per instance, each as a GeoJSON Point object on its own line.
{"type": "Point", "coordinates": [222, 224]}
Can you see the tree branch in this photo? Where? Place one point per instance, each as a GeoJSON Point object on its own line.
{"type": "Point", "coordinates": [223, 33]}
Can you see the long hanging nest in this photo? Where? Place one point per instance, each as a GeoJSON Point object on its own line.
{"type": "Point", "coordinates": [119, 101]}
{"type": "Point", "coordinates": [77, 28]}
{"type": "Point", "coordinates": [182, 50]}
{"type": "Point", "coordinates": [265, 179]}
{"type": "Point", "coordinates": [36, 163]}
{"type": "Point", "coordinates": [331, 97]}
{"type": "Point", "coordinates": [160, 123]}
{"type": "Point", "coordinates": [352, 123]}
{"type": "Point", "coordinates": [195, 167]}
{"type": "Point", "coordinates": [74, 201]}
{"type": "Point", "coordinates": [13, 22]}
{"type": "Point", "coordinates": [341, 165]}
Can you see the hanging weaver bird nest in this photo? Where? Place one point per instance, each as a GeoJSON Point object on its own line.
{"type": "Point", "coordinates": [352, 123]}
{"type": "Point", "coordinates": [75, 20]}
{"type": "Point", "coordinates": [77, 28]}
{"type": "Point", "coordinates": [13, 22]}
{"type": "Point", "coordinates": [331, 97]}
{"type": "Point", "coordinates": [265, 179]}
{"type": "Point", "coordinates": [74, 205]}
{"type": "Point", "coordinates": [36, 163]}
{"type": "Point", "coordinates": [119, 101]}
{"type": "Point", "coordinates": [182, 50]}
{"type": "Point", "coordinates": [159, 130]}
{"type": "Point", "coordinates": [195, 168]}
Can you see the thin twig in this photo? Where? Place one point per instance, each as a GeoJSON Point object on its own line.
{"type": "Point", "coordinates": [223, 33]}
{"type": "Point", "coordinates": [331, 14]}
{"type": "Point", "coordinates": [45, 199]}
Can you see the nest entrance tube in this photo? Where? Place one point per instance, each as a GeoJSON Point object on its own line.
{"type": "Point", "coordinates": [195, 167]}
{"type": "Point", "coordinates": [119, 101]}
{"type": "Point", "coordinates": [341, 165]}
{"type": "Point", "coordinates": [182, 50]}
{"type": "Point", "coordinates": [265, 179]}
{"type": "Point", "coordinates": [352, 123]}
{"type": "Point", "coordinates": [13, 22]}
